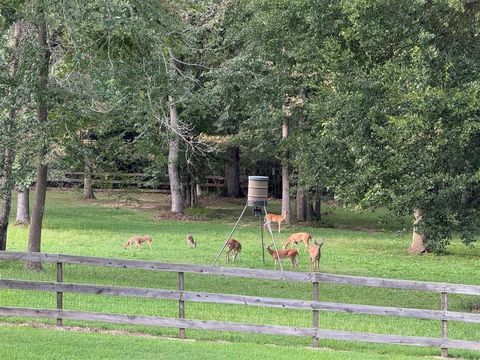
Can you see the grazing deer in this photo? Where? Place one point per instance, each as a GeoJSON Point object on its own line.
{"type": "Point", "coordinates": [190, 242]}
{"type": "Point", "coordinates": [315, 254]}
{"type": "Point", "coordinates": [138, 240]}
{"type": "Point", "coordinates": [269, 218]}
{"type": "Point", "coordinates": [235, 247]}
{"type": "Point", "coordinates": [288, 253]}
{"type": "Point", "coordinates": [294, 239]}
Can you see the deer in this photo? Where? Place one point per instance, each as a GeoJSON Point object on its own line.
{"type": "Point", "coordinates": [138, 240]}
{"type": "Point", "coordinates": [315, 251]}
{"type": "Point", "coordinates": [294, 239]}
{"type": "Point", "coordinates": [288, 253]}
{"type": "Point", "coordinates": [190, 242]}
{"type": "Point", "coordinates": [235, 247]}
{"type": "Point", "coordinates": [275, 218]}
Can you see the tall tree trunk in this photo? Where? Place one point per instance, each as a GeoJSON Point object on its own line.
{"type": "Point", "coordinates": [318, 206]}
{"type": "Point", "coordinates": [173, 172]}
{"type": "Point", "coordinates": [468, 197]}
{"type": "Point", "coordinates": [35, 230]}
{"type": "Point", "coordinates": [231, 184]}
{"type": "Point", "coordinates": [309, 210]}
{"type": "Point", "coordinates": [285, 175]}
{"type": "Point", "coordinates": [87, 181]}
{"type": "Point", "coordinates": [2, 159]}
{"type": "Point", "coordinates": [417, 246]}
{"type": "Point", "coordinates": [6, 196]}
{"type": "Point", "coordinates": [188, 194]}
{"type": "Point", "coordinates": [301, 203]}
{"type": "Point", "coordinates": [23, 206]}
{"type": "Point", "coordinates": [193, 195]}
{"type": "Point", "coordinates": [8, 153]}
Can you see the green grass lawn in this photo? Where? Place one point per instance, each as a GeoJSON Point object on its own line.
{"type": "Point", "coordinates": [58, 344]}
{"type": "Point", "coordinates": [101, 227]}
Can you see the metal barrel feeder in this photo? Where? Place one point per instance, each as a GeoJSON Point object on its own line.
{"type": "Point", "coordinates": [257, 191]}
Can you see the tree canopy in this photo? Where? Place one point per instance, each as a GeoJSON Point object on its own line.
{"type": "Point", "coordinates": [381, 97]}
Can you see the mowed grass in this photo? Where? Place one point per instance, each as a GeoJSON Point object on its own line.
{"type": "Point", "coordinates": [100, 228]}
{"type": "Point", "coordinates": [58, 344]}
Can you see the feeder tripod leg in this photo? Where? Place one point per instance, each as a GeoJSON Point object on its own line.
{"type": "Point", "coordinates": [273, 239]}
{"type": "Point", "coordinates": [263, 245]}
{"type": "Point", "coordinates": [229, 236]}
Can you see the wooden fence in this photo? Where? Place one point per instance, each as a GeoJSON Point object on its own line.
{"type": "Point", "coordinates": [315, 332]}
{"type": "Point", "coordinates": [135, 180]}
{"type": "Point", "coordinates": [110, 181]}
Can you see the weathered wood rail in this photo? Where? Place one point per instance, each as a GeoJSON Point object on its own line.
{"type": "Point", "coordinates": [315, 332]}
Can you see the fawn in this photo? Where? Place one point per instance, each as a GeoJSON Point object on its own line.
{"type": "Point", "coordinates": [275, 218]}
{"type": "Point", "coordinates": [294, 239]}
{"type": "Point", "coordinates": [315, 254]}
{"type": "Point", "coordinates": [138, 240]}
{"type": "Point", "coordinates": [288, 253]}
{"type": "Point", "coordinates": [190, 242]}
{"type": "Point", "coordinates": [235, 247]}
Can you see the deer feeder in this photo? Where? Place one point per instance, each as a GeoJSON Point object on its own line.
{"type": "Point", "coordinates": [257, 191]}
{"type": "Point", "coordinates": [257, 198]}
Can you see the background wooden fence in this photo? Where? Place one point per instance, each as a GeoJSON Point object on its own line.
{"type": "Point", "coordinates": [59, 287]}
{"type": "Point", "coordinates": [132, 180]}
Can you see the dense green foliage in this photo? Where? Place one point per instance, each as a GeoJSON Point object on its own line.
{"type": "Point", "coordinates": [382, 97]}
{"type": "Point", "coordinates": [399, 119]}
{"type": "Point", "coordinates": [390, 116]}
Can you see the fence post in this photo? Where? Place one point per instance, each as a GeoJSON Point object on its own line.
{"type": "Point", "coordinates": [181, 302]}
{"type": "Point", "coordinates": [315, 291]}
{"type": "Point", "coordinates": [444, 307]}
{"type": "Point", "coordinates": [59, 293]}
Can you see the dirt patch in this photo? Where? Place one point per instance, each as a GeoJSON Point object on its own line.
{"type": "Point", "coordinates": [156, 203]}
{"type": "Point", "coordinates": [360, 228]}
{"type": "Point", "coordinates": [475, 307]}
{"type": "Point", "coordinates": [82, 329]}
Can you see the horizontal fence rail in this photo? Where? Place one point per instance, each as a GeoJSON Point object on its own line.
{"type": "Point", "coordinates": [206, 297]}
{"type": "Point", "coordinates": [139, 180]}
{"type": "Point", "coordinates": [239, 327]}
{"type": "Point", "coordinates": [159, 266]}
{"type": "Point", "coordinates": [399, 284]}
{"type": "Point", "coordinates": [182, 296]}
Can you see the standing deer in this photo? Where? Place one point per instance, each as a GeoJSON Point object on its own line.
{"type": "Point", "coordinates": [190, 242]}
{"type": "Point", "coordinates": [294, 239]}
{"type": "Point", "coordinates": [235, 247]}
{"type": "Point", "coordinates": [288, 253]}
{"type": "Point", "coordinates": [275, 218]}
{"type": "Point", "coordinates": [315, 254]}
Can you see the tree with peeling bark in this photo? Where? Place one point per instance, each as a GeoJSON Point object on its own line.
{"type": "Point", "coordinates": [23, 206]}
{"type": "Point", "coordinates": [173, 171]}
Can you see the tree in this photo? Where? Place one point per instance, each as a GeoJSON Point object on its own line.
{"type": "Point", "coordinates": [35, 229]}
{"type": "Point", "coordinates": [23, 206]}
{"type": "Point", "coordinates": [173, 172]}
{"type": "Point", "coordinates": [231, 185]}
{"type": "Point", "coordinates": [8, 149]}
{"type": "Point", "coordinates": [396, 114]}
